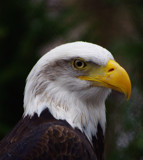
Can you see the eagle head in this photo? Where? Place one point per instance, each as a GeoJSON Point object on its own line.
{"type": "Point", "coordinates": [73, 81]}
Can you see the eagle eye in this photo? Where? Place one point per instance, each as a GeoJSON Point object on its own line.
{"type": "Point", "coordinates": [79, 64]}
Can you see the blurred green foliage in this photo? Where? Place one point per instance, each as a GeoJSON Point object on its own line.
{"type": "Point", "coordinates": [28, 29]}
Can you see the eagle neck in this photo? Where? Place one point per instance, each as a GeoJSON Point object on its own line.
{"type": "Point", "coordinates": [67, 106]}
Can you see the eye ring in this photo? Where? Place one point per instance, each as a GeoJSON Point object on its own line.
{"type": "Point", "coordinates": [79, 64]}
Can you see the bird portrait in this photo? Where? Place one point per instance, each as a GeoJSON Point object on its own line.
{"type": "Point", "coordinates": [64, 105]}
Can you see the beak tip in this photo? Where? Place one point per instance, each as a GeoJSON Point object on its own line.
{"type": "Point", "coordinates": [128, 94]}
{"type": "Point", "coordinates": [128, 97]}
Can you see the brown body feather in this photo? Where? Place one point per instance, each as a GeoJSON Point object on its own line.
{"type": "Point", "coordinates": [45, 138]}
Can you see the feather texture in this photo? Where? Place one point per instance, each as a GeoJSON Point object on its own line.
{"type": "Point", "coordinates": [44, 137]}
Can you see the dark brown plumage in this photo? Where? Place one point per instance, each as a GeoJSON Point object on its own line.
{"type": "Point", "coordinates": [44, 137]}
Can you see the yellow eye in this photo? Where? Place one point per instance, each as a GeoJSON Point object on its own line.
{"type": "Point", "coordinates": [79, 64]}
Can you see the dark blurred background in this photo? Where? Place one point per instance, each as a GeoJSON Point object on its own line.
{"type": "Point", "coordinates": [30, 28]}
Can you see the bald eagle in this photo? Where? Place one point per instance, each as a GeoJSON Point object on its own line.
{"type": "Point", "coordinates": [64, 105]}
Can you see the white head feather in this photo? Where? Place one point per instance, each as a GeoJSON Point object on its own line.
{"type": "Point", "coordinates": [68, 98]}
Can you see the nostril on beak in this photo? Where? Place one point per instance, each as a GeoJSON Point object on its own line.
{"type": "Point", "coordinates": [111, 69]}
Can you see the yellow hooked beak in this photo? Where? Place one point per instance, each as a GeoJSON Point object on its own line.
{"type": "Point", "coordinates": [111, 76]}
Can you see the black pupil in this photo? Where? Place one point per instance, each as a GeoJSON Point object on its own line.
{"type": "Point", "coordinates": [79, 63]}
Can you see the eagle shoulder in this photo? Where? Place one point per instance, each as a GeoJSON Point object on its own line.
{"type": "Point", "coordinates": [60, 142]}
{"type": "Point", "coordinates": [49, 140]}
